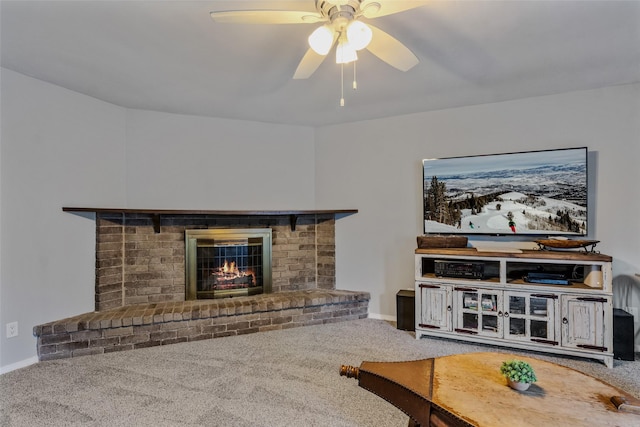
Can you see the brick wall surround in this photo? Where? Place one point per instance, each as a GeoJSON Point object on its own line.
{"type": "Point", "coordinates": [136, 265]}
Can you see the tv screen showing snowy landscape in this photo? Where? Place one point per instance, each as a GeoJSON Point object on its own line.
{"type": "Point", "coordinates": [535, 193]}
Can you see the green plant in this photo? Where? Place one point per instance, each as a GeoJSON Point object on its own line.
{"type": "Point", "coordinates": [518, 371]}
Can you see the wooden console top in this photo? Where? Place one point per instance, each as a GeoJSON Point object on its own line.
{"type": "Point", "coordinates": [525, 253]}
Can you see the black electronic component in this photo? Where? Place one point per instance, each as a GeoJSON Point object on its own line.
{"type": "Point", "coordinates": [405, 310]}
{"type": "Point", "coordinates": [547, 278]}
{"type": "Point", "coordinates": [460, 269]}
{"type": "Point", "coordinates": [623, 339]}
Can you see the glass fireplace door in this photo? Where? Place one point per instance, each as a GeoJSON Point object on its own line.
{"type": "Point", "coordinates": [223, 263]}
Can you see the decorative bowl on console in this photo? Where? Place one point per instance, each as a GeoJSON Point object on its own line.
{"type": "Point", "coordinates": [545, 244]}
{"type": "Point", "coordinates": [429, 242]}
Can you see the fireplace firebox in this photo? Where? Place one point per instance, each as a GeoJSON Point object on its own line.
{"type": "Point", "coordinates": [223, 263]}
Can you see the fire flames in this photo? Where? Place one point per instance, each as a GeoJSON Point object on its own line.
{"type": "Point", "coordinates": [229, 276]}
{"type": "Point", "coordinates": [230, 268]}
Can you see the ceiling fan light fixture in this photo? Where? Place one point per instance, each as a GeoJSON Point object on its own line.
{"type": "Point", "coordinates": [321, 40]}
{"type": "Point", "coordinates": [345, 53]}
{"type": "Point", "coordinates": [359, 34]}
{"type": "Point", "coordinates": [338, 22]}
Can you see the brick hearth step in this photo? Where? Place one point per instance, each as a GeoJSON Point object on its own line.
{"type": "Point", "coordinates": [146, 325]}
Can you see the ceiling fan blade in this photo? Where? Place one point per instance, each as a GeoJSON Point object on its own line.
{"type": "Point", "coordinates": [390, 50]}
{"type": "Point", "coordinates": [266, 17]}
{"type": "Point", "coordinates": [311, 61]}
{"type": "Point", "coordinates": [373, 9]}
{"type": "Point", "coordinates": [308, 65]}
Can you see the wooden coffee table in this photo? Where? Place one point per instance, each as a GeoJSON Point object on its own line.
{"type": "Point", "coordinates": [468, 390]}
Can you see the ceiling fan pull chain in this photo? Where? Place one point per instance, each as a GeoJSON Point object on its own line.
{"type": "Point", "coordinates": [355, 84]}
{"type": "Point", "coordinates": [342, 85]}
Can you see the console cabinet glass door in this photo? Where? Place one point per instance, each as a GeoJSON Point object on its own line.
{"type": "Point", "coordinates": [478, 311]}
{"type": "Point", "coordinates": [435, 307]}
{"type": "Point", "coordinates": [530, 317]}
{"type": "Point", "coordinates": [583, 320]}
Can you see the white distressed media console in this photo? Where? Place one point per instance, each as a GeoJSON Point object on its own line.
{"type": "Point", "coordinates": [498, 298]}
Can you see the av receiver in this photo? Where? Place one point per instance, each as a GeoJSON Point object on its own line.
{"type": "Point", "coordinates": [460, 269]}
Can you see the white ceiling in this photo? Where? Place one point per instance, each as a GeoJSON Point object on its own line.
{"type": "Point", "coordinates": [170, 56]}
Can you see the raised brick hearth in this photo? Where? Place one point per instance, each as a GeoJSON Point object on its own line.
{"type": "Point", "coordinates": [140, 283]}
{"type": "Point", "coordinates": [146, 325]}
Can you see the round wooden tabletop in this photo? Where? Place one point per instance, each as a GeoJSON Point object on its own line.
{"type": "Point", "coordinates": [471, 387]}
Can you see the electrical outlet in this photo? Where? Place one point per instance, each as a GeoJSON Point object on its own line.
{"type": "Point", "coordinates": [12, 329]}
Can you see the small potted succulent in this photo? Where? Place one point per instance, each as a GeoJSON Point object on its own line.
{"type": "Point", "coordinates": [519, 374]}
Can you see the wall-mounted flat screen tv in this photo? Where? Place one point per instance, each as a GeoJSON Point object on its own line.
{"type": "Point", "coordinates": [526, 193]}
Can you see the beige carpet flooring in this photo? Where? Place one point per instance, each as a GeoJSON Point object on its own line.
{"type": "Point", "coordinates": [279, 378]}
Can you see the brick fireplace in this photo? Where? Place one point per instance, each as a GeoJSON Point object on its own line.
{"type": "Point", "coordinates": [135, 264]}
{"type": "Point", "coordinates": [141, 291]}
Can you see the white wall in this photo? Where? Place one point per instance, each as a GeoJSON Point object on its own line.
{"type": "Point", "coordinates": [375, 166]}
{"type": "Point", "coordinates": [60, 148]}
{"type": "Point", "coordinates": [187, 162]}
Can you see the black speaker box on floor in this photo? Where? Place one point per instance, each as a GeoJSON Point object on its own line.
{"type": "Point", "coordinates": [623, 342]}
{"type": "Point", "coordinates": [406, 309]}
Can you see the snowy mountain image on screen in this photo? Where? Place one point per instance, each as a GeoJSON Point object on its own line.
{"type": "Point", "coordinates": [521, 193]}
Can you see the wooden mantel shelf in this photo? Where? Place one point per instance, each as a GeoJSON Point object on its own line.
{"type": "Point", "coordinates": [157, 213]}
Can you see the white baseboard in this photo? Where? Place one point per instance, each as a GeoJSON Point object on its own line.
{"type": "Point", "coordinates": [21, 364]}
{"type": "Point", "coordinates": [382, 317]}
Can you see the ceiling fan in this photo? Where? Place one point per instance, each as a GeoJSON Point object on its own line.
{"type": "Point", "coordinates": [339, 22]}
